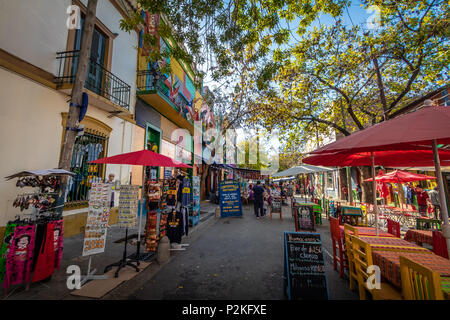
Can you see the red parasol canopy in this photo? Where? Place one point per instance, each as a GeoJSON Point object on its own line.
{"type": "Point", "coordinates": [412, 131]}
{"type": "Point", "coordinates": [398, 176]}
{"type": "Point", "coordinates": [397, 158]}
{"type": "Point", "coordinates": [143, 158]}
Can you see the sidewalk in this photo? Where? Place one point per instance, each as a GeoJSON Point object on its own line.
{"type": "Point", "coordinates": [56, 288]}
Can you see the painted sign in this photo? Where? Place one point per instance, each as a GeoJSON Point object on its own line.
{"type": "Point", "coordinates": [304, 267]}
{"type": "Point", "coordinates": [230, 198]}
{"type": "Point", "coordinates": [304, 217]}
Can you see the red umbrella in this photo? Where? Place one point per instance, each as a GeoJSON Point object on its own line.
{"type": "Point", "coordinates": [412, 131]}
{"type": "Point", "coordinates": [398, 176]}
{"type": "Point", "coordinates": [143, 158]}
{"type": "Point", "coordinates": [397, 158]}
{"type": "Point", "coordinates": [420, 130]}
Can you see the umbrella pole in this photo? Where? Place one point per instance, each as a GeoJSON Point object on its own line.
{"type": "Point", "coordinates": [443, 201]}
{"type": "Point", "coordinates": [374, 193]}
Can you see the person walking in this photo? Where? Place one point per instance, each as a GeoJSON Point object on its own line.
{"type": "Point", "coordinates": [434, 199]}
{"type": "Point", "coordinates": [258, 194]}
{"type": "Point", "coordinates": [359, 192]}
{"type": "Point", "coordinates": [422, 197]}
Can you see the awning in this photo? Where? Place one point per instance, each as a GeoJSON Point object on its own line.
{"type": "Point", "coordinates": [304, 168]}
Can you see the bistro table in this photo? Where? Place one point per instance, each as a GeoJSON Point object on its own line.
{"type": "Point", "coordinates": [367, 231]}
{"type": "Point", "coordinates": [389, 263]}
{"type": "Point", "coordinates": [391, 243]}
{"type": "Point", "coordinates": [419, 236]}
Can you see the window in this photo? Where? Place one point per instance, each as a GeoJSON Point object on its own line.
{"type": "Point", "coordinates": [87, 148]}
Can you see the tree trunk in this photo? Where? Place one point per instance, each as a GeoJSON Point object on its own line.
{"type": "Point", "coordinates": [77, 94]}
{"type": "Point", "coordinates": [343, 183]}
{"type": "Point", "coordinates": [366, 187]}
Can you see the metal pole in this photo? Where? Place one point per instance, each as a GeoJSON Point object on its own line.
{"type": "Point", "coordinates": [374, 193]}
{"type": "Point", "coordinates": [443, 201]}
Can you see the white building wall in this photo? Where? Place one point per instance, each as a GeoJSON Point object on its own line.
{"type": "Point", "coordinates": [34, 30]}
{"type": "Point", "coordinates": [31, 131]}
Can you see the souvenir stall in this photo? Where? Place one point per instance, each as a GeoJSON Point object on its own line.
{"type": "Point", "coordinates": [32, 245]}
{"type": "Point", "coordinates": [160, 205]}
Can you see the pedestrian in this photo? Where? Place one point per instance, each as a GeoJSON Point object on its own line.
{"type": "Point", "coordinates": [434, 199]}
{"type": "Point", "coordinates": [359, 192]}
{"type": "Point", "coordinates": [258, 194]}
{"type": "Point", "coordinates": [422, 197]}
{"type": "Point", "coordinates": [111, 181]}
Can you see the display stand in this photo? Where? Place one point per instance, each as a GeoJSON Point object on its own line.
{"type": "Point", "coordinates": [124, 261]}
{"type": "Point", "coordinates": [89, 274]}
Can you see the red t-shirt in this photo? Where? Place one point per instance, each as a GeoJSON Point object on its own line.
{"type": "Point", "coordinates": [422, 198]}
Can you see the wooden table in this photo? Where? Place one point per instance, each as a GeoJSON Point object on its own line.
{"type": "Point", "coordinates": [367, 231]}
{"type": "Point", "coordinates": [419, 236]}
{"type": "Point", "coordinates": [389, 263]}
{"type": "Point", "coordinates": [391, 243]}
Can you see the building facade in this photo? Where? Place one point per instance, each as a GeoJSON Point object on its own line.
{"type": "Point", "coordinates": [38, 63]}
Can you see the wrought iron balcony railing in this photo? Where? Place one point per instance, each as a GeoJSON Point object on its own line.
{"type": "Point", "coordinates": [149, 80]}
{"type": "Point", "coordinates": [98, 79]}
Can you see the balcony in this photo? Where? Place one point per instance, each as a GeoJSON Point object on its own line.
{"type": "Point", "coordinates": [153, 91]}
{"type": "Point", "coordinates": [106, 91]}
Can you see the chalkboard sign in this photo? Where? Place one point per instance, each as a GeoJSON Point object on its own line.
{"type": "Point", "coordinates": [304, 267]}
{"type": "Point", "coordinates": [304, 217]}
{"type": "Point", "coordinates": [230, 198]}
{"type": "Point", "coordinates": [276, 205]}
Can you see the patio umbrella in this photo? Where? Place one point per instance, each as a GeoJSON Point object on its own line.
{"type": "Point", "coordinates": [399, 177]}
{"type": "Point", "coordinates": [420, 130]}
{"type": "Point", "coordinates": [143, 158]}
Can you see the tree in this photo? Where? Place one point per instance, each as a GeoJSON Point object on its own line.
{"type": "Point", "coordinates": [76, 96]}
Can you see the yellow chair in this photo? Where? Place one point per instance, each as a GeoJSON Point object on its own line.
{"type": "Point", "coordinates": [348, 230]}
{"type": "Point", "coordinates": [419, 282]}
{"type": "Point", "coordinates": [365, 222]}
{"type": "Point", "coordinates": [362, 256]}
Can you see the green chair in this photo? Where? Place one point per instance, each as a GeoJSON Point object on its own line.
{"type": "Point", "coordinates": [318, 213]}
{"type": "Point", "coordinates": [428, 224]}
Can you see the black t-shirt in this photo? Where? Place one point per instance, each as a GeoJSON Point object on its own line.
{"type": "Point", "coordinates": [258, 191]}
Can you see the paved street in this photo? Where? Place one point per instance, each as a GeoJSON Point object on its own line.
{"type": "Point", "coordinates": [236, 258]}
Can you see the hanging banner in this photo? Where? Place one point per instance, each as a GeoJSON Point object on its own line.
{"type": "Point", "coordinates": [97, 219]}
{"type": "Point", "coordinates": [230, 198]}
{"type": "Point", "coordinates": [128, 206]}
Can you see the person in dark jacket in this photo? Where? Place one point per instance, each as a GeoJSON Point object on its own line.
{"type": "Point", "coordinates": [258, 193]}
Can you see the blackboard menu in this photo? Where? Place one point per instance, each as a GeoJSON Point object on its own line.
{"type": "Point", "coordinates": [304, 266]}
{"type": "Point", "coordinates": [230, 198]}
{"type": "Point", "coordinates": [304, 217]}
{"type": "Point", "coordinates": [276, 205]}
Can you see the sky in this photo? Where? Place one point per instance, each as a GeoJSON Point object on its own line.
{"type": "Point", "coordinates": [355, 14]}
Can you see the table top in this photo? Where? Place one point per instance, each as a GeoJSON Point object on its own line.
{"type": "Point", "coordinates": [386, 242]}
{"type": "Point", "coordinates": [423, 236]}
{"type": "Point", "coordinates": [389, 263]}
{"type": "Point", "coordinates": [368, 231]}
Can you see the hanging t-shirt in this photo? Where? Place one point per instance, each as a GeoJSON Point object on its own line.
{"type": "Point", "coordinates": [58, 240]}
{"type": "Point", "coordinates": [186, 196]}
{"type": "Point", "coordinates": [171, 198]}
{"type": "Point", "coordinates": [78, 155]}
{"type": "Point", "coordinates": [45, 261]}
{"type": "Point", "coordinates": [6, 245]}
{"type": "Point", "coordinates": [20, 256]}
{"type": "Point", "coordinates": [175, 226]}
{"type": "Point", "coordinates": [93, 150]}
